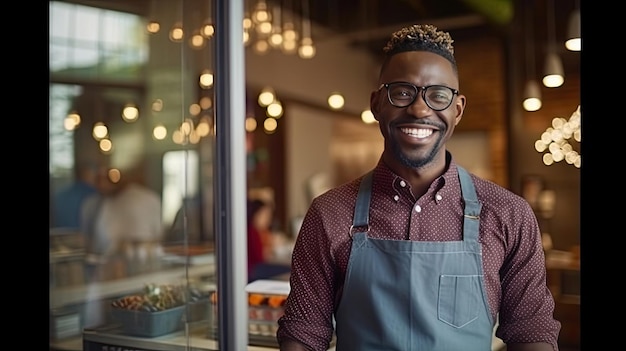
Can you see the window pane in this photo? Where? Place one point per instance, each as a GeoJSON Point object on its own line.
{"type": "Point", "coordinates": [86, 24]}
{"type": "Point", "coordinates": [86, 42]}
{"type": "Point", "coordinates": [61, 140]}
{"type": "Point", "coordinates": [59, 19]}
{"type": "Point", "coordinates": [59, 57]}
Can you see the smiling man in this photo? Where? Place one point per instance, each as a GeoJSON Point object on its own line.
{"type": "Point", "coordinates": [418, 254]}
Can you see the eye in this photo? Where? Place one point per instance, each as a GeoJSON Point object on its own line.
{"type": "Point", "coordinates": [440, 94]}
{"type": "Point", "coordinates": [402, 92]}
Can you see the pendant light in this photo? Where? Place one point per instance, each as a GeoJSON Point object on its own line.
{"type": "Point", "coordinates": [153, 25]}
{"type": "Point", "coordinates": [573, 41]}
{"type": "Point", "coordinates": [532, 96]}
{"type": "Point", "coordinates": [553, 68]}
{"type": "Point", "coordinates": [306, 49]}
{"type": "Point", "coordinates": [532, 91]}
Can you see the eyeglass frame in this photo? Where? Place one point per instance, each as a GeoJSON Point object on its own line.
{"type": "Point", "coordinates": [418, 89]}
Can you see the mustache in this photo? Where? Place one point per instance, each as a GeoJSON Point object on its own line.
{"type": "Point", "coordinates": [417, 122]}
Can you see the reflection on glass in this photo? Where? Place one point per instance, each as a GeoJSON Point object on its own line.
{"type": "Point", "coordinates": [131, 223]}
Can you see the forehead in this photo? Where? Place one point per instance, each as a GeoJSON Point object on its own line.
{"type": "Point", "coordinates": [419, 67]}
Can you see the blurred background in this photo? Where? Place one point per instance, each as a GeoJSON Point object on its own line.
{"type": "Point", "coordinates": [132, 125]}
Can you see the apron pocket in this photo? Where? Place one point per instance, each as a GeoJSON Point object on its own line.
{"type": "Point", "coordinates": [459, 299]}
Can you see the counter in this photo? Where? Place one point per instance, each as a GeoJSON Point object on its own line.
{"type": "Point", "coordinates": [96, 340]}
{"type": "Point", "coordinates": [110, 339]}
{"type": "Point", "coordinates": [102, 340]}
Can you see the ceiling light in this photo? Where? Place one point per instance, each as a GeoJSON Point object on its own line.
{"type": "Point", "coordinates": [335, 101]}
{"type": "Point", "coordinates": [130, 113]}
{"type": "Point", "coordinates": [266, 96]}
{"type": "Point", "coordinates": [275, 109]}
{"type": "Point", "coordinates": [153, 27]}
{"type": "Point", "coordinates": [260, 13]}
{"type": "Point", "coordinates": [206, 79]}
{"type": "Point", "coordinates": [573, 41]}
{"type": "Point", "coordinates": [367, 116]}
{"type": "Point", "coordinates": [532, 91]}
{"type": "Point", "coordinates": [553, 69]}
{"type": "Point", "coordinates": [532, 96]}
{"type": "Point", "coordinates": [176, 33]}
{"type": "Point", "coordinates": [306, 49]}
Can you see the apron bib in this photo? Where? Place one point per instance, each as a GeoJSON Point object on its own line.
{"type": "Point", "coordinates": [414, 295]}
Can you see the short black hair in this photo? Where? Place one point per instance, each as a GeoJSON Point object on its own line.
{"type": "Point", "coordinates": [421, 37]}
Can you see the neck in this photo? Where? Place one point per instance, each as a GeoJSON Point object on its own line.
{"type": "Point", "coordinates": [419, 178]}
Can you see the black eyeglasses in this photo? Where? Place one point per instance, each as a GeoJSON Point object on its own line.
{"type": "Point", "coordinates": [437, 97]}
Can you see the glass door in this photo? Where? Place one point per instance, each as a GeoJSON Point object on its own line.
{"type": "Point", "coordinates": [146, 147]}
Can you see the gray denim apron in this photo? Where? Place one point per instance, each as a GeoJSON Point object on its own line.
{"type": "Point", "coordinates": [414, 295]}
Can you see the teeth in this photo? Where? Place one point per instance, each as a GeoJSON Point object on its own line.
{"type": "Point", "coordinates": [420, 133]}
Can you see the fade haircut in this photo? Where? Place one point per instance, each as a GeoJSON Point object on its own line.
{"type": "Point", "coordinates": [421, 37]}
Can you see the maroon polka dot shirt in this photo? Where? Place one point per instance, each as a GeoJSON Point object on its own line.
{"type": "Point", "coordinates": [513, 257]}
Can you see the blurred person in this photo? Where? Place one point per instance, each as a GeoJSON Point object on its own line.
{"type": "Point", "coordinates": [261, 242]}
{"type": "Point", "coordinates": [124, 219]}
{"type": "Point", "coordinates": [255, 243]}
{"type": "Point", "coordinates": [418, 253]}
{"type": "Point", "coordinates": [67, 202]}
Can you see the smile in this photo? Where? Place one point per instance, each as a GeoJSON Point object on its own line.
{"type": "Point", "coordinates": [415, 132]}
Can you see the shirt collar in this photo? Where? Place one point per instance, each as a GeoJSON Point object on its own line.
{"type": "Point", "coordinates": [384, 176]}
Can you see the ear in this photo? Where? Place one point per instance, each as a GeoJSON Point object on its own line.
{"type": "Point", "coordinates": [460, 107]}
{"type": "Point", "coordinates": [375, 103]}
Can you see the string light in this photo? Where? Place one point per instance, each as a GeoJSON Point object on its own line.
{"type": "Point", "coordinates": [555, 140]}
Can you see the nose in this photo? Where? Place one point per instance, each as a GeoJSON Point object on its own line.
{"type": "Point", "coordinates": [419, 108]}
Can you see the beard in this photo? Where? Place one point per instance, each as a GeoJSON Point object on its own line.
{"type": "Point", "coordinates": [418, 161]}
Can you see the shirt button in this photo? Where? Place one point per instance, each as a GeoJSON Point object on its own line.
{"type": "Point", "coordinates": [438, 197]}
{"type": "Point", "coordinates": [402, 183]}
{"type": "Point", "coordinates": [418, 208]}
{"type": "Point", "coordinates": [396, 198]}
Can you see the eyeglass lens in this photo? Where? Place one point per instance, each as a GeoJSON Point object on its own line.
{"type": "Point", "coordinates": [437, 97]}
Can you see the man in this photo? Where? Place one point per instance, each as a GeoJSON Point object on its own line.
{"type": "Point", "coordinates": [418, 254]}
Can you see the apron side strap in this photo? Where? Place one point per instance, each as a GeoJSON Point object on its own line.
{"type": "Point", "coordinates": [361, 209]}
